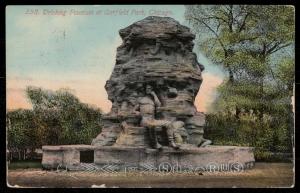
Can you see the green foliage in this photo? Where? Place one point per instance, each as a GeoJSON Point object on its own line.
{"type": "Point", "coordinates": [254, 102]}
{"type": "Point", "coordinates": [24, 165]}
{"type": "Point", "coordinates": [285, 75]}
{"type": "Point", "coordinates": [20, 129]}
{"type": "Point", "coordinates": [57, 118]}
{"type": "Point", "coordinates": [247, 131]}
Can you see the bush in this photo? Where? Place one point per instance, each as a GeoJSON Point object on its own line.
{"type": "Point", "coordinates": [270, 141]}
{"type": "Point", "coordinates": [57, 118]}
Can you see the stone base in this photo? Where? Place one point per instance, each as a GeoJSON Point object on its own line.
{"type": "Point", "coordinates": [112, 158]}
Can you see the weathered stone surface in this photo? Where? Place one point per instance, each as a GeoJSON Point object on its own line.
{"type": "Point", "coordinates": [57, 156]}
{"type": "Point", "coordinates": [156, 51]}
{"type": "Point", "coordinates": [121, 157]}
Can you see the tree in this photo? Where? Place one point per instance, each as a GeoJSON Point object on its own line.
{"type": "Point", "coordinates": [21, 133]}
{"type": "Point", "coordinates": [62, 118]}
{"type": "Point", "coordinates": [245, 42]}
{"type": "Point", "coordinates": [57, 118]}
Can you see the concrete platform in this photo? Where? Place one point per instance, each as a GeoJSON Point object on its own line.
{"type": "Point", "coordinates": [114, 158]}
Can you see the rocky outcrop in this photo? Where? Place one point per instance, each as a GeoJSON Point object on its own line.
{"type": "Point", "coordinates": [156, 51]}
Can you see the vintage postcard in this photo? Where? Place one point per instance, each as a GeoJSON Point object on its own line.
{"type": "Point", "coordinates": [157, 96]}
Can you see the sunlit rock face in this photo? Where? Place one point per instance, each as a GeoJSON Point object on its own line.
{"type": "Point", "coordinates": [155, 51]}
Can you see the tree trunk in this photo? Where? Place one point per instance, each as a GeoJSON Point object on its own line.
{"type": "Point", "coordinates": [261, 115]}
{"type": "Point", "coordinates": [291, 127]}
{"type": "Point", "coordinates": [237, 113]}
{"type": "Point", "coordinates": [261, 90]}
{"type": "Point", "coordinates": [24, 154]}
{"type": "Point", "coordinates": [19, 154]}
{"type": "Point", "coordinates": [231, 77]}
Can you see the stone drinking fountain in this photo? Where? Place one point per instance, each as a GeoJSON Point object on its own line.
{"type": "Point", "coordinates": [153, 120]}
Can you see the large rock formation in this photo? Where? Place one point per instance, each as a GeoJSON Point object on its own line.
{"type": "Point", "coordinates": [152, 89]}
{"type": "Point", "coordinates": [156, 51]}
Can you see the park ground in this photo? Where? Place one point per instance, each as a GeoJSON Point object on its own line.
{"type": "Point", "coordinates": [262, 175]}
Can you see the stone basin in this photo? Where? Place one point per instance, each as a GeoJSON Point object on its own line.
{"type": "Point", "coordinates": [122, 158]}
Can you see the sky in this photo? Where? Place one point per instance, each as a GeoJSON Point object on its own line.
{"type": "Point", "coordinates": [74, 47]}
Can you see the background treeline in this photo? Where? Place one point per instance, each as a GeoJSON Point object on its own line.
{"type": "Point", "coordinates": [57, 118]}
{"type": "Point", "coordinates": [254, 44]}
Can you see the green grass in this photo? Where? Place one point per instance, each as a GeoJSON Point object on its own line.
{"type": "Point", "coordinates": [24, 164]}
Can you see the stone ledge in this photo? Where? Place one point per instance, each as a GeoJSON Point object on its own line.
{"type": "Point", "coordinates": [69, 156]}
{"type": "Point", "coordinates": [66, 147]}
{"type": "Point", "coordinates": [184, 148]}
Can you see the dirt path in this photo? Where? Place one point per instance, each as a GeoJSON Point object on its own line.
{"type": "Point", "coordinates": [263, 175]}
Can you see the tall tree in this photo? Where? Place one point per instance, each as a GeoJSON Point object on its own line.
{"type": "Point", "coordinates": [244, 40]}
{"type": "Point", "coordinates": [249, 42]}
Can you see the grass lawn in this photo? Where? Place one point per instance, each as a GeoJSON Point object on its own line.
{"type": "Point", "coordinates": [24, 164]}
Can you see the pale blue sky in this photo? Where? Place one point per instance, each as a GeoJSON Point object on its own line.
{"type": "Point", "coordinates": [74, 51]}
